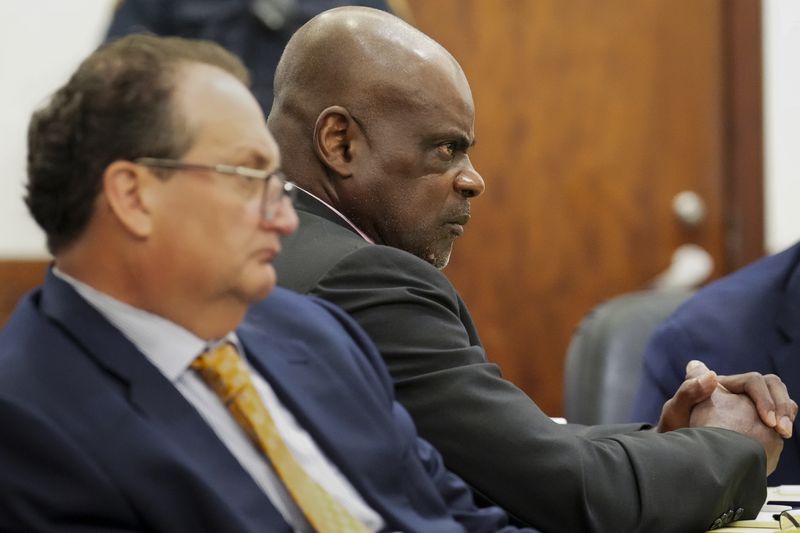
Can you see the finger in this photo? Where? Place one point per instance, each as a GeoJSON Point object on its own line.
{"type": "Point", "coordinates": [784, 410]}
{"type": "Point", "coordinates": [670, 419]}
{"type": "Point", "coordinates": [695, 369]}
{"type": "Point", "coordinates": [793, 410]}
{"type": "Point", "coordinates": [755, 387]}
{"type": "Point", "coordinates": [678, 409]}
{"type": "Point", "coordinates": [706, 379]}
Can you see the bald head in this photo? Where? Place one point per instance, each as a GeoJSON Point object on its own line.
{"type": "Point", "coordinates": [365, 60]}
{"type": "Point", "coordinates": [376, 118]}
{"type": "Point", "coordinates": [350, 49]}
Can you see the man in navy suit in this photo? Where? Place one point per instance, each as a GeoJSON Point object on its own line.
{"type": "Point", "coordinates": [154, 177]}
{"type": "Point", "coordinates": [748, 321]}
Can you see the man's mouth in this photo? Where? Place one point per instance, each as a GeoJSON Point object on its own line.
{"type": "Point", "coordinates": [456, 224]}
{"type": "Point", "coordinates": [267, 255]}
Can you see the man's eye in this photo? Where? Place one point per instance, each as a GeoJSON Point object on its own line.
{"type": "Point", "coordinates": [249, 185]}
{"type": "Point", "coordinates": [447, 150]}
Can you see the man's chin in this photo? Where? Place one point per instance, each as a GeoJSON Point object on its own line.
{"type": "Point", "coordinates": [262, 285]}
{"type": "Point", "coordinates": [437, 255]}
{"type": "Point", "coordinates": [439, 259]}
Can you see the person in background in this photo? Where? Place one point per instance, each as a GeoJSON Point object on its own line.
{"type": "Point", "coordinates": [375, 121]}
{"type": "Point", "coordinates": [747, 321]}
{"type": "Point", "coordinates": [132, 400]}
{"type": "Point", "coordinates": [255, 30]}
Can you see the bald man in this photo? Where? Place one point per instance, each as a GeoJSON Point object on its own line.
{"type": "Point", "coordinates": [375, 121]}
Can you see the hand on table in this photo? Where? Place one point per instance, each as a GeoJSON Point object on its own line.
{"type": "Point", "coordinates": [775, 409]}
{"type": "Point", "coordinates": [737, 412]}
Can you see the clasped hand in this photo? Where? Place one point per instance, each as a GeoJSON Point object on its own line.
{"type": "Point", "coordinates": [753, 404]}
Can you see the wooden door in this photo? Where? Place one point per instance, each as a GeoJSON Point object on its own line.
{"type": "Point", "coordinates": [591, 116]}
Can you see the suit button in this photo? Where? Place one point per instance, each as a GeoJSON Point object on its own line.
{"type": "Point", "coordinates": [717, 524]}
{"type": "Point", "coordinates": [738, 514]}
{"type": "Point", "coordinates": [727, 516]}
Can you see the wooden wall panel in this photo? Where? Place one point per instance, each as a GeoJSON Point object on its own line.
{"type": "Point", "coordinates": [17, 278]}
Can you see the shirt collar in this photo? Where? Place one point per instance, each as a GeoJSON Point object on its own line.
{"type": "Point", "coordinates": [168, 346]}
{"type": "Point", "coordinates": [339, 214]}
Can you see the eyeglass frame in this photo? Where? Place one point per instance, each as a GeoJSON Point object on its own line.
{"type": "Point", "coordinates": [788, 520]}
{"type": "Point", "coordinates": [268, 206]}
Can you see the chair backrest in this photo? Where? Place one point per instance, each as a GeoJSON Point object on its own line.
{"type": "Point", "coordinates": [604, 359]}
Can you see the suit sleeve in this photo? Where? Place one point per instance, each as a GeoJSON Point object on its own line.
{"type": "Point", "coordinates": [450, 490]}
{"type": "Point", "coordinates": [495, 437]}
{"type": "Point", "coordinates": [47, 484]}
{"type": "Point", "coordinates": [663, 370]}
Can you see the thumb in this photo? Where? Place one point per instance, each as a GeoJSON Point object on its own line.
{"type": "Point", "coordinates": [705, 379]}
{"type": "Point", "coordinates": [695, 369]}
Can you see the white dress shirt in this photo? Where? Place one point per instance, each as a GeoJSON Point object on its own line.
{"type": "Point", "coordinates": [171, 349]}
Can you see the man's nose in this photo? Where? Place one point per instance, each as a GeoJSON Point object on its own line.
{"type": "Point", "coordinates": [468, 182]}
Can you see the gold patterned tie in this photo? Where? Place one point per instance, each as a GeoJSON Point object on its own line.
{"type": "Point", "coordinates": [225, 372]}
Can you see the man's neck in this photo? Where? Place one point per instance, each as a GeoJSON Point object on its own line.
{"type": "Point", "coordinates": [209, 321]}
{"type": "Point", "coordinates": [339, 214]}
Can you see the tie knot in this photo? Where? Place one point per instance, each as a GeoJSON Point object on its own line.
{"type": "Point", "coordinates": [223, 370]}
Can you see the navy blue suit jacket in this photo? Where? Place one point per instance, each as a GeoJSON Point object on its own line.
{"type": "Point", "coordinates": [748, 321]}
{"type": "Point", "coordinates": [95, 438]}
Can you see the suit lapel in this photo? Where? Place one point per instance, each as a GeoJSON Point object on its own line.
{"type": "Point", "coordinates": [332, 407]}
{"type": "Point", "coordinates": [153, 396]}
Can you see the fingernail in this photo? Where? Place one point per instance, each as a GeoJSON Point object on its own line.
{"type": "Point", "coordinates": [786, 426]}
{"type": "Point", "coordinates": [771, 419]}
{"type": "Point", "coordinates": [691, 364]}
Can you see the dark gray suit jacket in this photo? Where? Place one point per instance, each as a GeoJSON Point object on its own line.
{"type": "Point", "coordinates": [557, 478]}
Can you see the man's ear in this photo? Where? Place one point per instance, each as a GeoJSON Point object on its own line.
{"type": "Point", "coordinates": [336, 136]}
{"type": "Point", "coordinates": [127, 188]}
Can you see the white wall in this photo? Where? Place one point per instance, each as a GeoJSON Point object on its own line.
{"type": "Point", "coordinates": [782, 122]}
{"type": "Point", "coordinates": [41, 43]}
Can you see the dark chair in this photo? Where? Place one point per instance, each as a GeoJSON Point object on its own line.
{"type": "Point", "coordinates": [604, 359]}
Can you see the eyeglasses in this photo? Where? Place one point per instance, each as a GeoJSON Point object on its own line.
{"type": "Point", "coordinates": [275, 185]}
{"type": "Point", "coordinates": [789, 520]}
